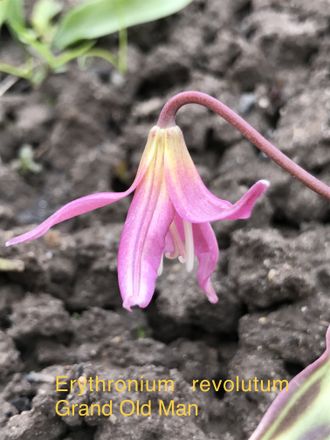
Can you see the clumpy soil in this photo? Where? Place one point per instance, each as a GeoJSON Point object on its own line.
{"type": "Point", "coordinates": [60, 308]}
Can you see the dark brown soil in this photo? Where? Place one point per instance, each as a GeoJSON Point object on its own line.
{"type": "Point", "coordinates": [62, 313]}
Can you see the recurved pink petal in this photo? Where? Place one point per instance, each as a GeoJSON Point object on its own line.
{"type": "Point", "coordinates": [93, 201]}
{"type": "Point", "coordinates": [207, 252]}
{"type": "Point", "coordinates": [72, 209]}
{"type": "Point", "coordinates": [190, 197]}
{"type": "Point", "coordinates": [142, 242]}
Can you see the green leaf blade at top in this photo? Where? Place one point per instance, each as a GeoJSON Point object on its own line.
{"type": "Point", "coordinates": [11, 13]}
{"type": "Point", "coordinates": [96, 18]}
{"type": "Point", "coordinates": [15, 13]}
{"type": "Point", "coordinates": [43, 13]}
{"type": "Point", "coordinates": [3, 11]}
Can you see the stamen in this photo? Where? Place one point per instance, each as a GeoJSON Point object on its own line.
{"type": "Point", "coordinates": [179, 250]}
{"type": "Point", "coordinates": [189, 245]}
{"type": "Point", "coordinates": [161, 266]}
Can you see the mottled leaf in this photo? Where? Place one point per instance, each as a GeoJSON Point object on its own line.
{"type": "Point", "coordinates": [97, 18]}
{"type": "Point", "coordinates": [302, 412]}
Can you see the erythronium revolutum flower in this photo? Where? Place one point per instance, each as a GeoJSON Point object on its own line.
{"type": "Point", "coordinates": [171, 210]}
{"type": "Point", "coordinates": [169, 216]}
{"type": "Point", "coordinates": [301, 412]}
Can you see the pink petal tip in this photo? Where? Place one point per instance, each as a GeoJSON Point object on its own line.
{"type": "Point", "coordinates": [265, 182]}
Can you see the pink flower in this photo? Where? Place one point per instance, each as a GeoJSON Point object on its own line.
{"type": "Point", "coordinates": [169, 216]}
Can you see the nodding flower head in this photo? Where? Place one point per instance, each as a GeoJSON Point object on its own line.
{"type": "Point", "coordinates": [169, 217]}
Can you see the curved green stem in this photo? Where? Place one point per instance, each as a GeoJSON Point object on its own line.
{"type": "Point", "coordinates": [101, 53]}
{"type": "Point", "coordinates": [21, 72]}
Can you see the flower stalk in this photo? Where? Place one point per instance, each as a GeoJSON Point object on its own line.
{"type": "Point", "coordinates": [167, 119]}
{"type": "Point", "coordinates": [172, 210]}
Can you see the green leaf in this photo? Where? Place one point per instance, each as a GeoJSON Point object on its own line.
{"type": "Point", "coordinates": [3, 11]}
{"type": "Point", "coordinates": [43, 13]}
{"type": "Point", "coordinates": [12, 13]}
{"type": "Point", "coordinates": [15, 20]}
{"type": "Point", "coordinates": [26, 35]}
{"type": "Point", "coordinates": [97, 18]}
{"type": "Point", "coordinates": [15, 13]}
{"type": "Point", "coordinates": [72, 54]}
{"type": "Point", "coordinates": [24, 71]}
{"type": "Point", "coordinates": [303, 411]}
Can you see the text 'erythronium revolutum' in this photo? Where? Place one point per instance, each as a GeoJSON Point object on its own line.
{"type": "Point", "coordinates": [169, 216]}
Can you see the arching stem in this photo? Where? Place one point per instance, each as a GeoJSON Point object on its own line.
{"type": "Point", "coordinates": [167, 119]}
